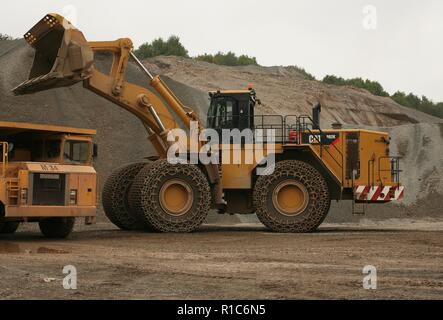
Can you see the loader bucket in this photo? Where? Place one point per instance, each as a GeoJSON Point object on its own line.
{"type": "Point", "coordinates": [62, 55]}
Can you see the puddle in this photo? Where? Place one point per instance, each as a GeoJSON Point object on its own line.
{"type": "Point", "coordinates": [50, 250]}
{"type": "Point", "coordinates": [10, 247]}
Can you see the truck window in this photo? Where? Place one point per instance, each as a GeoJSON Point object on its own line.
{"type": "Point", "coordinates": [52, 149]}
{"type": "Point", "coordinates": [37, 150]}
{"type": "Point", "coordinates": [76, 152]}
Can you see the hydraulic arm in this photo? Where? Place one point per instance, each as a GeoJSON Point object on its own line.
{"type": "Point", "coordinates": [63, 57]}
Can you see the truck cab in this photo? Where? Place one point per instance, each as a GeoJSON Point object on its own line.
{"type": "Point", "coordinates": [46, 176]}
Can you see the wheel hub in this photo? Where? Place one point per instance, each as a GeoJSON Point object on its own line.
{"type": "Point", "coordinates": [176, 197]}
{"type": "Point", "coordinates": [290, 198]}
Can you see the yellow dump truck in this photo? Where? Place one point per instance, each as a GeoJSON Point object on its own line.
{"type": "Point", "coordinates": [46, 176]}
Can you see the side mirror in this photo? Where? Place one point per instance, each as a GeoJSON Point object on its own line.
{"type": "Point", "coordinates": [94, 150]}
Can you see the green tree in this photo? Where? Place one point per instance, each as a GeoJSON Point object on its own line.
{"type": "Point", "coordinates": [409, 100]}
{"type": "Point", "coordinates": [422, 104]}
{"type": "Point", "coordinates": [245, 60]}
{"type": "Point", "coordinates": [228, 59]}
{"type": "Point", "coordinates": [205, 57]}
{"type": "Point", "coordinates": [175, 48]}
{"type": "Point", "coordinates": [159, 47]}
{"type": "Point", "coordinates": [331, 79]}
{"type": "Point", "coordinates": [372, 86]}
{"type": "Point", "coordinates": [5, 37]}
{"type": "Point", "coordinates": [400, 98]}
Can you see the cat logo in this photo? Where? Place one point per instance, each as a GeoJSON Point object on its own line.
{"type": "Point", "coordinates": [314, 138]}
{"type": "Point", "coordinates": [323, 138]}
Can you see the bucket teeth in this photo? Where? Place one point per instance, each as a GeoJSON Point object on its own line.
{"type": "Point", "coordinates": [32, 85]}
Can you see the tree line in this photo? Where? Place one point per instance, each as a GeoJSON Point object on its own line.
{"type": "Point", "coordinates": [228, 59]}
{"type": "Point", "coordinates": [409, 100]}
{"type": "Point", "coordinates": [173, 47]}
{"type": "Point", "coordinates": [4, 37]}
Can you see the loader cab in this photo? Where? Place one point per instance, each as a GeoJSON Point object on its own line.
{"type": "Point", "coordinates": [231, 110]}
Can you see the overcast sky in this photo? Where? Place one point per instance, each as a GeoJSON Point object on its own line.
{"type": "Point", "coordinates": [397, 42]}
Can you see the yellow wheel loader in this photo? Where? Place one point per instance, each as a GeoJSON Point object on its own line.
{"type": "Point", "coordinates": [286, 169]}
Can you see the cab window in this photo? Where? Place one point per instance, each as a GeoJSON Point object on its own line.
{"type": "Point", "coordinates": [76, 152]}
{"type": "Point", "coordinates": [221, 113]}
{"type": "Point", "coordinates": [224, 114]}
{"type": "Point", "coordinates": [52, 149]}
{"type": "Point", "coordinates": [37, 150]}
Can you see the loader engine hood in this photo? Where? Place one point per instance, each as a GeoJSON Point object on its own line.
{"type": "Point", "coordinates": [62, 55]}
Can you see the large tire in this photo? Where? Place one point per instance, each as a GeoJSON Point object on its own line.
{"type": "Point", "coordinates": [294, 198]}
{"type": "Point", "coordinates": [57, 228]}
{"type": "Point", "coordinates": [8, 227]}
{"type": "Point", "coordinates": [115, 197]}
{"type": "Point", "coordinates": [171, 197]}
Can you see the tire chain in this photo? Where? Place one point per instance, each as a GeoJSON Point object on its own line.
{"type": "Point", "coordinates": [144, 197]}
{"type": "Point", "coordinates": [319, 198]}
{"type": "Point", "coordinates": [114, 197]}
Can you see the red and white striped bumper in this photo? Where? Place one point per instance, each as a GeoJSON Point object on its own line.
{"type": "Point", "coordinates": [379, 193]}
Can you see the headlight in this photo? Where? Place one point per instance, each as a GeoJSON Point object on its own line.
{"type": "Point", "coordinates": [24, 196]}
{"type": "Point", "coordinates": [73, 197]}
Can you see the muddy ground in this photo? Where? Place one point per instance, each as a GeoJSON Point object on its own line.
{"type": "Point", "coordinates": [242, 261]}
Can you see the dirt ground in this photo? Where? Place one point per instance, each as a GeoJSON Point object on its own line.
{"type": "Point", "coordinates": [242, 261]}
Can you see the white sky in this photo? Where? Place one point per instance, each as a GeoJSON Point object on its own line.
{"type": "Point", "coordinates": [404, 51]}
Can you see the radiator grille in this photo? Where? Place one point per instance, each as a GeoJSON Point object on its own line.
{"type": "Point", "coordinates": [49, 189]}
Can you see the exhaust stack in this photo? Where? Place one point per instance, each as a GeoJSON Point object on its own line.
{"type": "Point", "coordinates": [316, 116]}
{"type": "Point", "coordinates": [62, 55]}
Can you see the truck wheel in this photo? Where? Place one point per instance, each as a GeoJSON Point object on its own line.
{"type": "Point", "coordinates": [171, 197]}
{"type": "Point", "coordinates": [115, 197]}
{"type": "Point", "coordinates": [7, 227]}
{"type": "Point", "coordinates": [57, 228]}
{"type": "Point", "coordinates": [294, 198]}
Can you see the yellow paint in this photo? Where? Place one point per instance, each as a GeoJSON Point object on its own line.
{"type": "Point", "coordinates": [16, 175]}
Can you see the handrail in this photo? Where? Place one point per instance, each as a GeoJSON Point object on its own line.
{"type": "Point", "coordinates": [369, 172]}
{"type": "Point", "coordinates": [5, 150]}
{"type": "Point", "coordinates": [288, 127]}
{"type": "Point", "coordinates": [259, 121]}
{"type": "Point", "coordinates": [281, 123]}
{"type": "Point", "coordinates": [394, 171]}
